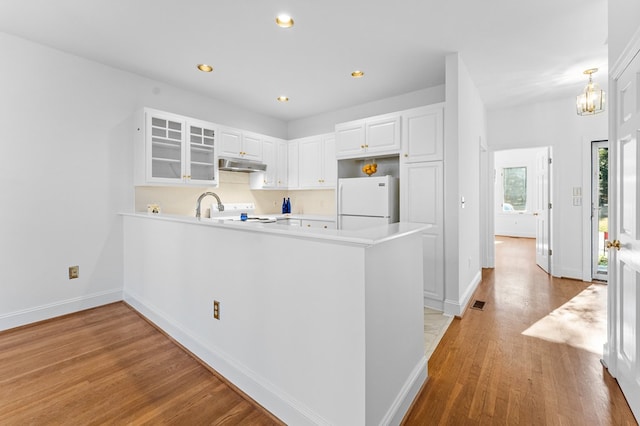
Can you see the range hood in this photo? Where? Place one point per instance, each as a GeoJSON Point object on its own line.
{"type": "Point", "coordinates": [236, 165]}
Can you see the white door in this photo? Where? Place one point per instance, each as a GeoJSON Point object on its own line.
{"type": "Point", "coordinates": [624, 274]}
{"type": "Point", "coordinates": [541, 210]}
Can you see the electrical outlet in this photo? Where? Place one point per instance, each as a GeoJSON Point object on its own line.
{"type": "Point", "coordinates": [216, 309]}
{"type": "Point", "coordinates": [74, 272]}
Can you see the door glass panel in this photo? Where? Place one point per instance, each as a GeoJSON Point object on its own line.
{"type": "Point", "coordinates": [515, 189]}
{"type": "Point", "coordinates": [601, 209]}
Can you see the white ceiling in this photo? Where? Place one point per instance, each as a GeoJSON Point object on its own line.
{"type": "Point", "coordinates": [515, 50]}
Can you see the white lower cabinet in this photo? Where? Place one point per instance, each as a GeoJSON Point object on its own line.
{"type": "Point", "coordinates": [422, 201]}
{"type": "Point", "coordinates": [325, 224]}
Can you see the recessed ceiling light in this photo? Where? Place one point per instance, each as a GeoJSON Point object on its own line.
{"type": "Point", "coordinates": [284, 21]}
{"type": "Point", "coordinates": [205, 67]}
{"type": "Point", "coordinates": [282, 99]}
{"type": "Point", "coordinates": [357, 74]}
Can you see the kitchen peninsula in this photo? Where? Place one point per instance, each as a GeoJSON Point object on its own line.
{"type": "Point", "coordinates": [319, 326]}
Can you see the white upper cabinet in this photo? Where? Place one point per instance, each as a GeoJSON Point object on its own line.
{"type": "Point", "coordinates": [317, 166]}
{"type": "Point", "coordinates": [350, 139]}
{"type": "Point", "coordinates": [174, 150]}
{"type": "Point", "coordinates": [201, 161]}
{"type": "Point", "coordinates": [383, 134]}
{"type": "Point", "coordinates": [274, 155]}
{"type": "Point", "coordinates": [238, 144]}
{"type": "Point", "coordinates": [422, 134]}
{"type": "Point", "coordinates": [282, 164]}
{"type": "Point", "coordinates": [378, 135]}
{"type": "Point", "coordinates": [293, 166]}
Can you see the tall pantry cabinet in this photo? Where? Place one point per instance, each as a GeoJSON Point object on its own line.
{"type": "Point", "coordinates": [422, 191]}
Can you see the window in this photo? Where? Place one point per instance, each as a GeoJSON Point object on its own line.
{"type": "Point", "coordinates": [515, 189]}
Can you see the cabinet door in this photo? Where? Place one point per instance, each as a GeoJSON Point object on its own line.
{"type": "Point", "coordinates": [322, 224]}
{"type": "Point", "coordinates": [165, 137]}
{"type": "Point", "coordinates": [230, 143]}
{"type": "Point", "coordinates": [201, 165]}
{"type": "Point", "coordinates": [293, 165]}
{"type": "Point", "coordinates": [350, 139]}
{"type": "Point", "coordinates": [252, 147]}
{"type": "Point", "coordinates": [329, 163]}
{"type": "Point", "coordinates": [310, 158]}
{"type": "Point", "coordinates": [383, 135]}
{"type": "Point", "coordinates": [270, 159]}
{"type": "Point", "coordinates": [282, 164]}
{"type": "Point", "coordinates": [423, 136]}
{"type": "Point", "coordinates": [421, 201]}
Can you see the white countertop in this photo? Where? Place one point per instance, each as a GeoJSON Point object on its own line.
{"type": "Point", "coordinates": [368, 236]}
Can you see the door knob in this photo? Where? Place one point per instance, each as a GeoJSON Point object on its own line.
{"type": "Point", "coordinates": [614, 243]}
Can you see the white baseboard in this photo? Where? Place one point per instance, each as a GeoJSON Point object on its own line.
{"type": "Point", "coordinates": [432, 303]}
{"type": "Point", "coordinates": [56, 309]}
{"type": "Point", "coordinates": [575, 274]}
{"type": "Point", "coordinates": [283, 405]}
{"type": "Point", "coordinates": [457, 307]}
{"type": "Point", "coordinates": [407, 394]}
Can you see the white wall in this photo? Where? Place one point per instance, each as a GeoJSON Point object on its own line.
{"type": "Point", "coordinates": [515, 224]}
{"type": "Point", "coordinates": [66, 139]}
{"type": "Point", "coordinates": [623, 23]}
{"type": "Point", "coordinates": [325, 123]}
{"type": "Point", "coordinates": [555, 123]}
{"type": "Point", "coordinates": [465, 129]}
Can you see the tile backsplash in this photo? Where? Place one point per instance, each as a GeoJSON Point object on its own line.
{"type": "Point", "coordinates": [234, 188]}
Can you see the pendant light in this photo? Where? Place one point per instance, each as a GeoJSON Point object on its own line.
{"type": "Point", "coordinates": [592, 100]}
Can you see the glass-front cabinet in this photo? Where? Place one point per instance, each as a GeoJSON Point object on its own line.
{"type": "Point", "coordinates": [173, 149]}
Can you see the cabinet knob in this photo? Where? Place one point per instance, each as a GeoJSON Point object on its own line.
{"type": "Point", "coordinates": [308, 225]}
{"type": "Point", "coordinates": [366, 145]}
{"type": "Point", "coordinates": [406, 155]}
{"type": "Point", "coordinates": [362, 146]}
{"type": "Point", "coordinates": [188, 176]}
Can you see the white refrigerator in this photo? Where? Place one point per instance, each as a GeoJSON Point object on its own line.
{"type": "Point", "coordinates": [366, 202]}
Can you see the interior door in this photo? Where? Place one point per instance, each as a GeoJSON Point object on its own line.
{"type": "Point", "coordinates": [624, 278]}
{"type": "Point", "coordinates": [542, 211]}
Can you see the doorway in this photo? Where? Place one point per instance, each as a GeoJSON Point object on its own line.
{"type": "Point", "coordinates": [599, 210]}
{"type": "Point", "coordinates": [522, 198]}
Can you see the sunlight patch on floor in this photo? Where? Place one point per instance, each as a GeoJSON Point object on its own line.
{"type": "Point", "coordinates": [581, 322]}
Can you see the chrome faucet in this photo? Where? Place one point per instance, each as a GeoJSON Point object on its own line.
{"type": "Point", "coordinates": [220, 205]}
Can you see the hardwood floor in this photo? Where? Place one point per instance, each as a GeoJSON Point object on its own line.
{"type": "Point", "coordinates": [485, 371]}
{"type": "Point", "coordinates": [109, 366]}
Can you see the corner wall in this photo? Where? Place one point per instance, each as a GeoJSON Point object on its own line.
{"type": "Point", "coordinates": [465, 131]}
{"type": "Point", "coordinates": [66, 140]}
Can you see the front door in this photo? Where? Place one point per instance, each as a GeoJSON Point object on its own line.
{"type": "Point", "coordinates": [624, 244]}
{"type": "Point", "coordinates": [599, 209]}
{"type": "Point", "coordinates": [541, 211]}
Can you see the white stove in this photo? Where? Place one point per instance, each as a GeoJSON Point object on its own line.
{"type": "Point", "coordinates": [240, 212]}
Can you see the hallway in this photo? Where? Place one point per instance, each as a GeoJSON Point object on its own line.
{"type": "Point", "coordinates": [487, 371]}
